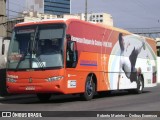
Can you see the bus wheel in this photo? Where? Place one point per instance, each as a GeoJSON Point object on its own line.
{"type": "Point", "coordinates": [140, 86]}
{"type": "Point", "coordinates": [89, 89]}
{"type": "Point", "coordinates": [44, 97]}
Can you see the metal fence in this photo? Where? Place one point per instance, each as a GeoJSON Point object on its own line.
{"type": "Point", "coordinates": [148, 32]}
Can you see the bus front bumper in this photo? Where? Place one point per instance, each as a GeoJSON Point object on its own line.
{"type": "Point", "coordinates": [33, 88]}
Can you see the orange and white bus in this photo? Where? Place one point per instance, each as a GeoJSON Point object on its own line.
{"type": "Point", "coordinates": [70, 56]}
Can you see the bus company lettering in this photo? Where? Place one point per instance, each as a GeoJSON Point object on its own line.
{"type": "Point", "coordinates": [92, 42]}
{"type": "Point", "coordinates": [12, 76]}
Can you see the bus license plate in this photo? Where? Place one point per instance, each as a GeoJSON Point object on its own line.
{"type": "Point", "coordinates": [30, 88]}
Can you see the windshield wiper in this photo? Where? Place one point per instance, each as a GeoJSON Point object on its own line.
{"type": "Point", "coordinates": [35, 51]}
{"type": "Point", "coordinates": [23, 58]}
{"type": "Point", "coordinates": [31, 49]}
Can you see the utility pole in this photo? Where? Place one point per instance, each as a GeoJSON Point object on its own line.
{"type": "Point", "coordinates": [8, 9]}
{"type": "Point", "coordinates": [86, 10]}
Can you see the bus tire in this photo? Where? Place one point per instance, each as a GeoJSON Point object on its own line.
{"type": "Point", "coordinates": [140, 86]}
{"type": "Point", "coordinates": [89, 89]}
{"type": "Point", "coordinates": [44, 97]}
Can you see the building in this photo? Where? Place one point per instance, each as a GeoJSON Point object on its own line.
{"type": "Point", "coordinates": [68, 16]}
{"type": "Point", "coordinates": [34, 16]}
{"type": "Point", "coordinates": [2, 18]}
{"type": "Point", "coordinates": [102, 18]}
{"type": "Point", "coordinates": [56, 7]}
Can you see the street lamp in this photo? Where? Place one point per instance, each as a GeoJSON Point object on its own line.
{"type": "Point", "coordinates": [86, 10]}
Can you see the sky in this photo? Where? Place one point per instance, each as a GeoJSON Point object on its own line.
{"type": "Point", "coordinates": [125, 13]}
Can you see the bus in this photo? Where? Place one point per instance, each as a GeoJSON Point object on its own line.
{"type": "Point", "coordinates": [4, 44]}
{"type": "Point", "coordinates": [71, 56]}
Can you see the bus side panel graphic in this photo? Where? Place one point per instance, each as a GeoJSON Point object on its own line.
{"type": "Point", "coordinates": [136, 54]}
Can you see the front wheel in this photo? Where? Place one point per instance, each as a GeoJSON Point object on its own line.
{"type": "Point", "coordinates": [44, 97]}
{"type": "Point", "coordinates": [89, 89]}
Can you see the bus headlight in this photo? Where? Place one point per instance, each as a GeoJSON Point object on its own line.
{"type": "Point", "coordinates": [11, 80]}
{"type": "Point", "coordinates": [54, 78]}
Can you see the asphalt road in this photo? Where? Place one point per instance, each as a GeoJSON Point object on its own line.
{"type": "Point", "coordinates": [149, 100]}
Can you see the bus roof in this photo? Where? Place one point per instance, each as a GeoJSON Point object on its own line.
{"type": "Point", "coordinates": [67, 21]}
{"type": "Point", "coordinates": [46, 21]}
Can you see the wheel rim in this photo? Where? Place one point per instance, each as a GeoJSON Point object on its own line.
{"type": "Point", "coordinates": [89, 88]}
{"type": "Point", "coordinates": [140, 85]}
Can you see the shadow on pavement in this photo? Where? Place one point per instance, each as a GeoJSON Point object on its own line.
{"type": "Point", "coordinates": [32, 99]}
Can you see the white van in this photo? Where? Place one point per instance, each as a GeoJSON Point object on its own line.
{"type": "Point", "coordinates": [4, 44]}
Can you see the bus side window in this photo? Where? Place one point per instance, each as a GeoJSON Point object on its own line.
{"type": "Point", "coordinates": [71, 54]}
{"type": "Point", "coordinates": [158, 51]}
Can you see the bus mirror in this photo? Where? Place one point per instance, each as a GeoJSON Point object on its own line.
{"type": "Point", "coordinates": [68, 37]}
{"type": "Point", "coordinates": [3, 49]}
{"type": "Point", "coordinates": [72, 46]}
{"type": "Point", "coordinates": [3, 44]}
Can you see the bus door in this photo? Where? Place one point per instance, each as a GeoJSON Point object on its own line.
{"type": "Point", "coordinates": [71, 62]}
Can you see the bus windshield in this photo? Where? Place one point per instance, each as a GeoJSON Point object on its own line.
{"type": "Point", "coordinates": [36, 47]}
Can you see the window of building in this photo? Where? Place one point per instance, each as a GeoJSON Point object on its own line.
{"type": "Point", "coordinates": [57, 7]}
{"type": "Point", "coordinates": [101, 15]}
{"type": "Point", "coordinates": [101, 20]}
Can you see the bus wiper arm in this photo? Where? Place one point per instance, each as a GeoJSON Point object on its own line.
{"type": "Point", "coordinates": [35, 50]}
{"type": "Point", "coordinates": [23, 58]}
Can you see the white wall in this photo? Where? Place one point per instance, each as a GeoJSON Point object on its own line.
{"type": "Point", "coordinates": [3, 58]}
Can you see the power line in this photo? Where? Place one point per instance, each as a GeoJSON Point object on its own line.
{"type": "Point", "coordinates": [14, 17]}
{"type": "Point", "coordinates": [153, 32]}
{"type": "Point", "coordinates": [14, 11]}
{"type": "Point", "coordinates": [86, 9]}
